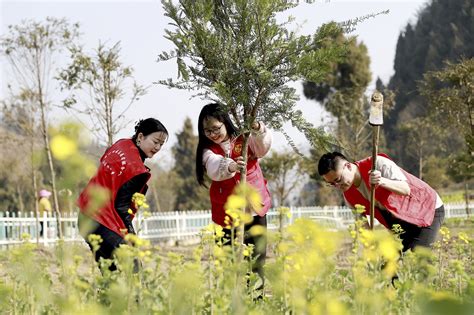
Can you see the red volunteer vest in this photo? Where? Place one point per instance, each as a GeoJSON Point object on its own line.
{"type": "Point", "coordinates": [120, 163]}
{"type": "Point", "coordinates": [221, 190]}
{"type": "Point", "coordinates": [418, 208]}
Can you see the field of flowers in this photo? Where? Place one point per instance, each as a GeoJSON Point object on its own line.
{"type": "Point", "coordinates": [310, 270]}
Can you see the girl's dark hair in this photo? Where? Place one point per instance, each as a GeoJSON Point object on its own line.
{"type": "Point", "coordinates": [216, 111]}
{"type": "Point", "coordinates": [148, 126]}
{"type": "Point", "coordinates": [328, 162]}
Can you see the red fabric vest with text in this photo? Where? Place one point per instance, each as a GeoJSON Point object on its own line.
{"type": "Point", "coordinates": [120, 163]}
{"type": "Point", "coordinates": [418, 208]}
{"type": "Point", "coordinates": [221, 190]}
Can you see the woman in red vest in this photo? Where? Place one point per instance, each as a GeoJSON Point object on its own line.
{"type": "Point", "coordinates": [219, 155]}
{"type": "Point", "coordinates": [400, 197]}
{"type": "Point", "coordinates": [106, 203]}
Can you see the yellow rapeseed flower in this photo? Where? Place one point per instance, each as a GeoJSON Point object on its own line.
{"type": "Point", "coordinates": [218, 252]}
{"type": "Point", "coordinates": [89, 168]}
{"type": "Point", "coordinates": [388, 248]}
{"type": "Point", "coordinates": [255, 199]}
{"type": "Point", "coordinates": [63, 147]}
{"type": "Point", "coordinates": [334, 306]}
{"type": "Point", "coordinates": [444, 231]}
{"type": "Point", "coordinates": [463, 237]}
{"type": "Point", "coordinates": [257, 230]}
{"type": "Point", "coordinates": [359, 208]}
{"type": "Point", "coordinates": [139, 200]}
{"type": "Point", "coordinates": [353, 234]}
{"type": "Point", "coordinates": [390, 269]}
{"type": "Point", "coordinates": [283, 248]}
{"type": "Point", "coordinates": [235, 202]}
{"type": "Point", "coordinates": [208, 228]}
{"type": "Point", "coordinates": [246, 217]}
{"type": "Point", "coordinates": [441, 295]}
{"type": "Point", "coordinates": [219, 231]}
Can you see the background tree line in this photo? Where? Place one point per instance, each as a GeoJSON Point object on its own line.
{"type": "Point", "coordinates": [429, 121]}
{"type": "Point", "coordinates": [433, 81]}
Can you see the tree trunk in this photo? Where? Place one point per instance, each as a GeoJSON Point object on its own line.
{"type": "Point", "coordinates": [21, 205]}
{"type": "Point", "coordinates": [51, 169]}
{"type": "Point", "coordinates": [35, 189]}
{"type": "Point", "coordinates": [108, 108]}
{"type": "Point", "coordinates": [420, 161]}
{"type": "Point", "coordinates": [47, 147]}
{"type": "Point", "coordinates": [243, 180]}
{"type": "Point", "coordinates": [466, 197]}
{"type": "Point", "coordinates": [35, 185]}
{"type": "Point", "coordinates": [155, 197]}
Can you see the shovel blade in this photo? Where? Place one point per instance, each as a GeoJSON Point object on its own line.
{"type": "Point", "coordinates": [376, 109]}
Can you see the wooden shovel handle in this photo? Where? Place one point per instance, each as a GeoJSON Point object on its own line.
{"type": "Point", "coordinates": [375, 146]}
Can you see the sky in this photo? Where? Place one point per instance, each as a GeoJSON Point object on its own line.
{"type": "Point", "coordinates": [139, 26]}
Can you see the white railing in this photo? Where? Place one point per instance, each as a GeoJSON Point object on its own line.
{"type": "Point", "coordinates": [13, 226]}
{"type": "Point", "coordinates": [176, 225]}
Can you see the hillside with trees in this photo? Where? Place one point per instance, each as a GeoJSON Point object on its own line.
{"type": "Point", "coordinates": [426, 132]}
{"type": "Point", "coordinates": [441, 34]}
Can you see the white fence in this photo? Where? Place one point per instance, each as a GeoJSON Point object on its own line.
{"type": "Point", "coordinates": [163, 226]}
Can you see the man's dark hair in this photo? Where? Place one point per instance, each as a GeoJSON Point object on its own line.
{"type": "Point", "coordinates": [328, 162]}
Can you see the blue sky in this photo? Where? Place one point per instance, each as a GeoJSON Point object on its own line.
{"type": "Point", "coordinates": [139, 26]}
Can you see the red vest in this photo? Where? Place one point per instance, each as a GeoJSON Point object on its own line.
{"type": "Point", "coordinates": [120, 163]}
{"type": "Point", "coordinates": [221, 190]}
{"type": "Point", "coordinates": [418, 208]}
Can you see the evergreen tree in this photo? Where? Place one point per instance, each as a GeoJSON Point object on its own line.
{"type": "Point", "coordinates": [189, 195]}
{"type": "Point", "coordinates": [450, 92]}
{"type": "Point", "coordinates": [341, 93]}
{"type": "Point", "coordinates": [238, 54]}
{"type": "Point", "coordinates": [443, 32]}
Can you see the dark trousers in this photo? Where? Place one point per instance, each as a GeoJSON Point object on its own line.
{"type": "Point", "coordinates": [110, 240]}
{"type": "Point", "coordinates": [259, 242]}
{"type": "Point", "coordinates": [414, 235]}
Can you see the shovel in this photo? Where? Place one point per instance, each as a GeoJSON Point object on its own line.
{"type": "Point", "coordinates": [376, 120]}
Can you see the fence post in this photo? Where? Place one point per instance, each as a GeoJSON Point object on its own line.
{"type": "Point", "coordinates": [20, 225]}
{"type": "Point", "coordinates": [138, 224]}
{"type": "Point", "coordinates": [2, 227]}
{"type": "Point", "coordinates": [178, 228]}
{"type": "Point", "coordinates": [184, 226]}
{"type": "Point", "coordinates": [16, 227]}
{"type": "Point", "coordinates": [45, 227]}
{"type": "Point", "coordinates": [7, 226]}
{"type": "Point", "coordinates": [448, 210]}
{"type": "Point", "coordinates": [145, 225]}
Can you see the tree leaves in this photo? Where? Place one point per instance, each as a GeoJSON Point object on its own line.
{"type": "Point", "coordinates": [237, 52]}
